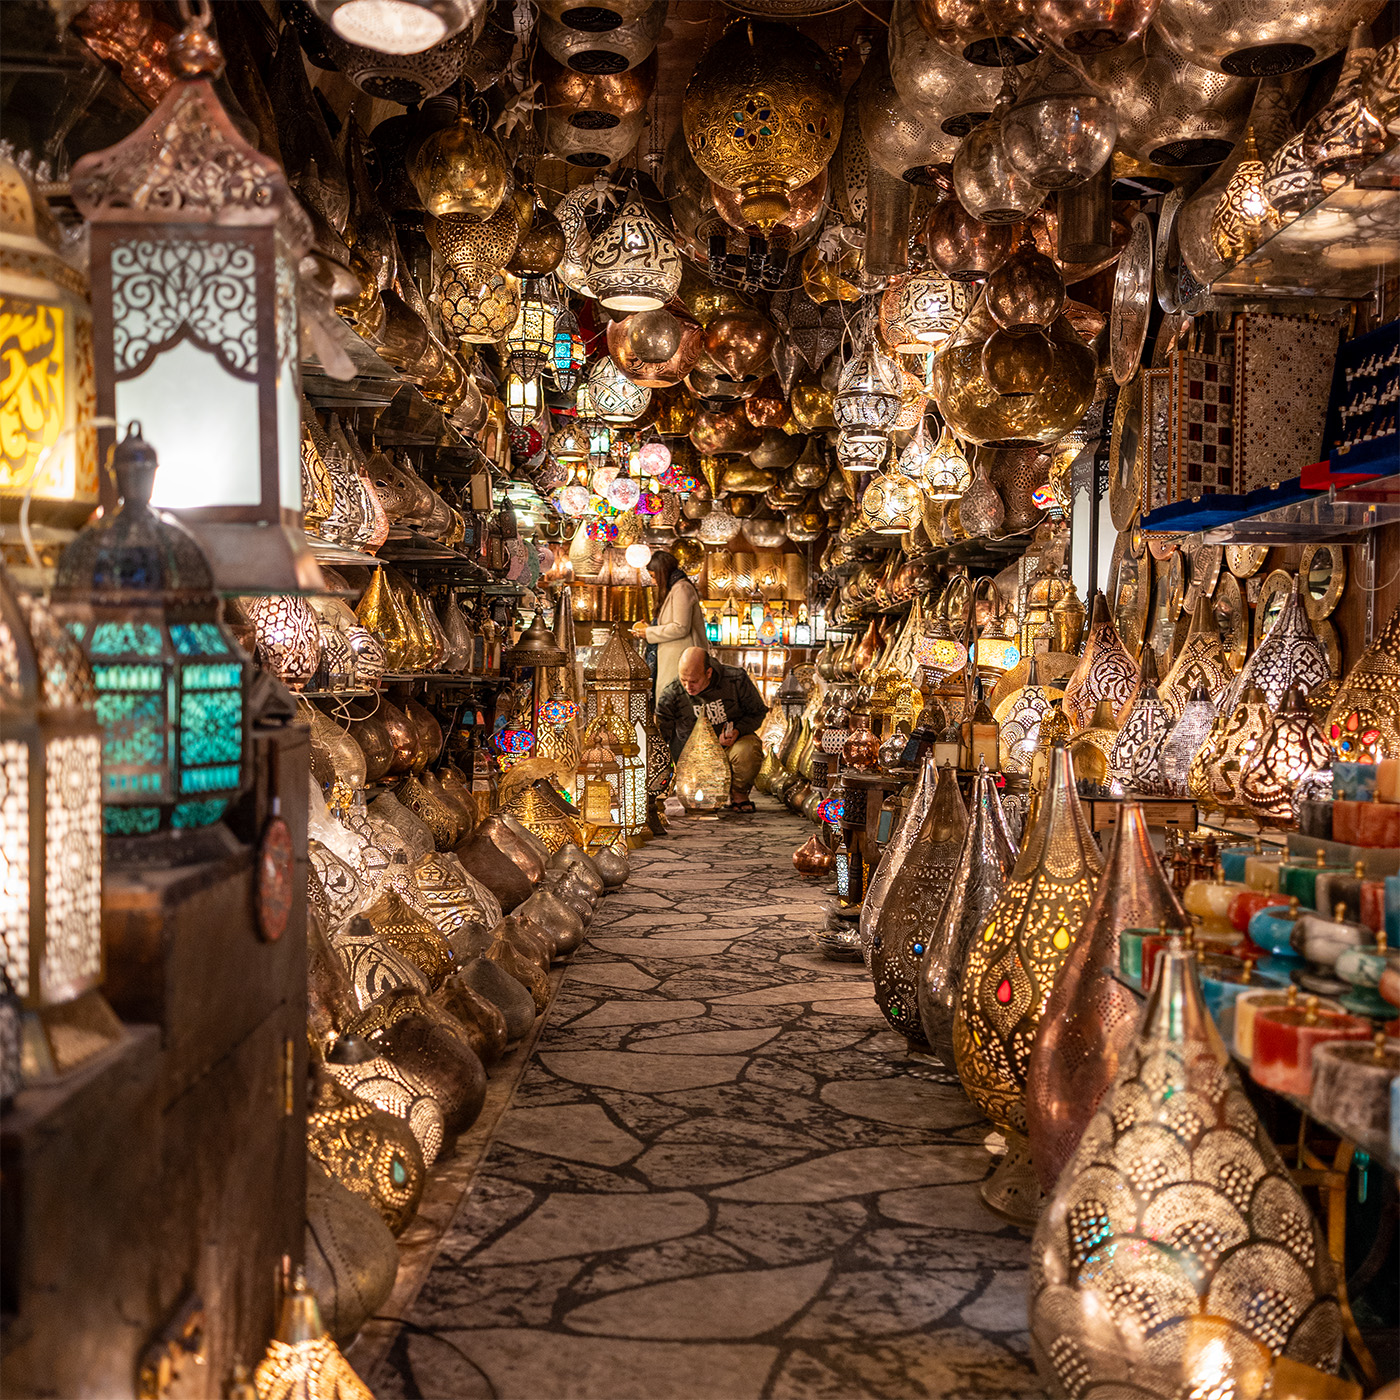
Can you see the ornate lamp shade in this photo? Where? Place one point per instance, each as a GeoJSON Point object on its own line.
{"type": "Point", "coordinates": [302, 1360]}
{"type": "Point", "coordinates": [1105, 671]}
{"type": "Point", "coordinates": [861, 452]}
{"type": "Point", "coordinates": [478, 316]}
{"type": "Point", "coordinates": [1091, 1017]}
{"type": "Point", "coordinates": [1089, 750]}
{"type": "Point", "coordinates": [988, 185]}
{"type": "Point", "coordinates": [702, 770]}
{"type": "Point", "coordinates": [762, 115]}
{"type": "Point", "coordinates": [1014, 961]}
{"type": "Point", "coordinates": [1187, 737]}
{"type": "Point", "coordinates": [634, 265]}
{"type": "Point", "coordinates": [1134, 761]}
{"type": "Point", "coordinates": [1201, 661]}
{"type": "Point", "coordinates": [1019, 718]}
{"type": "Point", "coordinates": [1364, 719]}
{"type": "Point", "coordinates": [1243, 217]}
{"type": "Point", "coordinates": [135, 591]}
{"type": "Point", "coordinates": [1234, 750]}
{"type": "Point", "coordinates": [1290, 654]}
{"type": "Point", "coordinates": [49, 451]}
{"type": "Point", "coordinates": [619, 684]}
{"type": "Point", "coordinates": [897, 936]}
{"type": "Point", "coordinates": [615, 398]}
{"type": "Point", "coordinates": [869, 392]}
{"type": "Point", "coordinates": [1173, 1223]}
{"type": "Point", "coordinates": [195, 330]}
{"type": "Point", "coordinates": [888, 505]}
{"type": "Point", "coordinates": [475, 251]}
{"type": "Point", "coordinates": [50, 813]}
{"type": "Point", "coordinates": [460, 170]}
{"type": "Point", "coordinates": [919, 312]}
{"type": "Point", "coordinates": [947, 475]}
{"type": "Point", "coordinates": [524, 402]}
{"type": "Point", "coordinates": [397, 26]}
{"type": "Point", "coordinates": [950, 914]}
{"type": "Point", "coordinates": [1291, 751]}
{"type": "Point", "coordinates": [530, 341]}
{"type": "Point", "coordinates": [1266, 39]}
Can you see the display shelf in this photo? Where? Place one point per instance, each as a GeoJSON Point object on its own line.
{"type": "Point", "coordinates": [334, 554]}
{"type": "Point", "coordinates": [353, 693]}
{"type": "Point", "coordinates": [1341, 247]}
{"type": "Point", "coordinates": [408, 546]}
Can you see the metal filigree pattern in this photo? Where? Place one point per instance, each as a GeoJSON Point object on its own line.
{"type": "Point", "coordinates": [1105, 671]}
{"type": "Point", "coordinates": [1369, 699]}
{"type": "Point", "coordinates": [374, 967]}
{"type": "Point", "coordinates": [1133, 759]}
{"type": "Point", "coordinates": [1290, 654]}
{"type": "Point", "coordinates": [1291, 749]}
{"type": "Point", "coordinates": [1201, 661]}
{"type": "Point", "coordinates": [73, 869]}
{"type": "Point", "coordinates": [408, 932]}
{"type": "Point", "coordinates": [1176, 1248]}
{"type": "Point", "coordinates": [1012, 965]}
{"type": "Point", "coordinates": [1233, 754]}
{"type": "Point", "coordinates": [341, 891]}
{"type": "Point", "coordinates": [1018, 718]}
{"type": "Point", "coordinates": [384, 1084]}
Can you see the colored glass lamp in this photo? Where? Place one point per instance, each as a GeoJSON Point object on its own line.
{"type": "Point", "coordinates": [50, 836]}
{"type": "Point", "coordinates": [195, 243]}
{"type": "Point", "coordinates": [530, 343]}
{"type": "Point", "coordinates": [136, 591]}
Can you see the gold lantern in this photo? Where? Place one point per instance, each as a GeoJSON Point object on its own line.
{"type": "Point", "coordinates": [702, 770]}
{"type": "Point", "coordinates": [302, 1362]}
{"type": "Point", "coordinates": [50, 837]}
{"type": "Point", "coordinates": [1011, 969]}
{"type": "Point", "coordinates": [633, 264]}
{"type": "Point", "coordinates": [1105, 671]}
{"type": "Point", "coordinates": [48, 449]}
{"type": "Point", "coordinates": [1291, 751]}
{"type": "Point", "coordinates": [196, 238]}
{"type": "Point", "coordinates": [1176, 1257]}
{"type": "Point", "coordinates": [1201, 661]}
{"type": "Point", "coordinates": [1239, 740]}
{"type": "Point", "coordinates": [762, 115]}
{"type": "Point", "coordinates": [921, 311]}
{"type": "Point", "coordinates": [1019, 717]}
{"type": "Point", "coordinates": [1364, 719]}
{"type": "Point", "coordinates": [1089, 749]}
{"type": "Point", "coordinates": [947, 474]}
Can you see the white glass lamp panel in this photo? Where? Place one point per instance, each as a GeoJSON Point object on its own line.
{"type": "Point", "coordinates": [203, 423]}
{"type": "Point", "coordinates": [14, 862]}
{"type": "Point", "coordinates": [288, 395]}
{"type": "Point", "coordinates": [72, 868]}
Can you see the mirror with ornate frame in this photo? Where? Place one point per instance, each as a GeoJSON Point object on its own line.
{"type": "Point", "coordinates": [1323, 569]}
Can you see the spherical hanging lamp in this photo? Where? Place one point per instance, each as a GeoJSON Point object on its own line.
{"type": "Point", "coordinates": [988, 186]}
{"type": "Point", "coordinates": [1060, 131]}
{"type": "Point", "coordinates": [472, 249]}
{"type": "Point", "coordinates": [615, 398]}
{"type": "Point", "coordinates": [919, 312]}
{"type": "Point", "coordinates": [634, 265]}
{"type": "Point", "coordinates": [460, 170]}
{"type": "Point", "coordinates": [888, 504]}
{"type": "Point", "coordinates": [947, 474]}
{"type": "Point", "coordinates": [1262, 39]}
{"type": "Point", "coordinates": [762, 115]}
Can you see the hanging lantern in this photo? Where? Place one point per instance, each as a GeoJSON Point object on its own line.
{"type": "Point", "coordinates": [1091, 1017]}
{"type": "Point", "coordinates": [633, 264]}
{"type": "Point", "coordinates": [1105, 671]}
{"type": "Point", "coordinates": [135, 591]}
{"type": "Point", "coordinates": [1181, 746]}
{"type": "Point", "coordinates": [48, 450]}
{"type": "Point", "coordinates": [530, 346]}
{"type": "Point", "coordinates": [396, 26]}
{"type": "Point", "coordinates": [480, 316]}
{"type": "Point", "coordinates": [868, 393]}
{"type": "Point", "coordinates": [1291, 751]}
{"type": "Point", "coordinates": [947, 475]}
{"type": "Point", "coordinates": [1060, 131]}
{"type": "Point", "coordinates": [888, 504]}
{"type": "Point", "coordinates": [1363, 723]}
{"type": "Point", "coordinates": [1290, 654]}
{"type": "Point", "coordinates": [524, 403]}
{"type": "Point", "coordinates": [762, 115]}
{"type": "Point", "coordinates": [1243, 218]}
{"type": "Point", "coordinates": [861, 452]}
{"type": "Point", "coordinates": [988, 185]}
{"type": "Point", "coordinates": [1011, 970]}
{"type": "Point", "coordinates": [458, 170]}
{"type": "Point", "coordinates": [919, 312]}
{"type": "Point", "coordinates": [195, 334]}
{"type": "Point", "coordinates": [615, 398]}
{"type": "Point", "coordinates": [50, 826]}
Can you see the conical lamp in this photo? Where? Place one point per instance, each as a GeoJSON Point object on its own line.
{"type": "Point", "coordinates": [302, 1362]}
{"type": "Point", "coordinates": [987, 856]}
{"type": "Point", "coordinates": [1291, 751]}
{"type": "Point", "coordinates": [1177, 1257]}
{"type": "Point", "coordinates": [1188, 736]}
{"type": "Point", "coordinates": [898, 939]}
{"type": "Point", "coordinates": [1201, 661]}
{"type": "Point", "coordinates": [1364, 720]}
{"type": "Point", "coordinates": [702, 771]}
{"type": "Point", "coordinates": [379, 612]}
{"type": "Point", "coordinates": [1289, 655]}
{"type": "Point", "coordinates": [1091, 1016]}
{"type": "Point", "coordinates": [1105, 671]}
{"type": "Point", "coordinates": [1133, 759]}
{"type": "Point", "coordinates": [910, 824]}
{"type": "Point", "coordinates": [1239, 741]}
{"type": "Point", "coordinates": [1010, 973]}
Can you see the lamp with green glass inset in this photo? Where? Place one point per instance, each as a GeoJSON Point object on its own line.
{"type": "Point", "coordinates": [136, 592]}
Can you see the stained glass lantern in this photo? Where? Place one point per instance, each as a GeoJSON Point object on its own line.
{"type": "Point", "coordinates": [524, 403]}
{"type": "Point", "coordinates": [939, 651]}
{"type": "Point", "coordinates": [634, 265]}
{"type": "Point", "coordinates": [920, 312]}
{"type": "Point", "coordinates": [50, 817]}
{"type": "Point", "coordinates": [136, 591]}
{"type": "Point", "coordinates": [196, 239]}
{"type": "Point", "coordinates": [946, 471]}
{"type": "Point", "coordinates": [1292, 752]}
{"type": "Point", "coordinates": [46, 449]}
{"type": "Point", "coordinates": [616, 399]}
{"type": "Point", "coordinates": [530, 342]}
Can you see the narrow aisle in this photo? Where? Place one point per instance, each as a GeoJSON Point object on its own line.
{"type": "Point", "coordinates": [722, 1177]}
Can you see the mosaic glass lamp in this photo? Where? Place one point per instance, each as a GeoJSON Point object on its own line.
{"type": "Point", "coordinates": [50, 830]}
{"type": "Point", "coordinates": [136, 592]}
{"type": "Point", "coordinates": [1291, 751]}
{"type": "Point", "coordinates": [196, 239]}
{"type": "Point", "coordinates": [1176, 1256]}
{"type": "Point", "coordinates": [1363, 723]}
{"type": "Point", "coordinates": [1011, 969]}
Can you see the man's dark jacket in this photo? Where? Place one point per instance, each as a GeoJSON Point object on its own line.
{"type": "Point", "coordinates": [730, 698]}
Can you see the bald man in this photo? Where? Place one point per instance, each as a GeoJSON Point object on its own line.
{"type": "Point", "coordinates": [734, 706]}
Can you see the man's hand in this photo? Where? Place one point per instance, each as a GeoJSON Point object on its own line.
{"type": "Point", "coordinates": [728, 735]}
{"type": "Point", "coordinates": [639, 629]}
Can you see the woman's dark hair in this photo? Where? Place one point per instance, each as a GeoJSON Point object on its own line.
{"type": "Point", "coordinates": [663, 562]}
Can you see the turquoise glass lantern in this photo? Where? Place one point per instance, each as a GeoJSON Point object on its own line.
{"type": "Point", "coordinates": [136, 592]}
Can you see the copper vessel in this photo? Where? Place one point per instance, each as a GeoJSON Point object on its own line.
{"type": "Point", "coordinates": [951, 913]}
{"type": "Point", "coordinates": [1091, 1016]}
{"type": "Point", "coordinates": [813, 859]}
{"type": "Point", "coordinates": [490, 856]}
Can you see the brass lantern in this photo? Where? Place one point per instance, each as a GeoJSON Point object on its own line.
{"type": "Point", "coordinates": [50, 828]}
{"type": "Point", "coordinates": [1364, 720]}
{"type": "Point", "coordinates": [762, 115]}
{"type": "Point", "coordinates": [702, 770]}
{"type": "Point", "coordinates": [48, 449]}
{"type": "Point", "coordinates": [195, 244]}
{"type": "Point", "coordinates": [1012, 966]}
{"type": "Point", "coordinates": [633, 264]}
{"type": "Point", "coordinates": [1201, 661]}
{"type": "Point", "coordinates": [1291, 751]}
{"type": "Point", "coordinates": [1105, 671]}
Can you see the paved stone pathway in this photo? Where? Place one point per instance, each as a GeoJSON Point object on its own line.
{"type": "Point", "coordinates": [721, 1177]}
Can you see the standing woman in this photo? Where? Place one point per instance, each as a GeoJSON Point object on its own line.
{"type": "Point", "coordinates": [680, 620]}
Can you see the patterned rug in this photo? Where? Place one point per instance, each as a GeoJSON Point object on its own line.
{"type": "Point", "coordinates": [721, 1176]}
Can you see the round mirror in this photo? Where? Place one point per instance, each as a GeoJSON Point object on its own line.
{"type": "Point", "coordinates": [1323, 569]}
{"type": "Point", "coordinates": [1272, 597]}
{"type": "Point", "coordinates": [1232, 617]}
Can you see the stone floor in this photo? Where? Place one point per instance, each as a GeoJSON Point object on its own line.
{"type": "Point", "coordinates": [721, 1176]}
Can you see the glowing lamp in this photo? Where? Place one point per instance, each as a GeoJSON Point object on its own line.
{"type": "Point", "coordinates": [195, 243]}
{"type": "Point", "coordinates": [396, 26]}
{"type": "Point", "coordinates": [946, 472]}
{"type": "Point", "coordinates": [729, 625]}
{"type": "Point", "coordinates": [638, 555]}
{"type": "Point", "coordinates": [530, 347]}
{"type": "Point", "coordinates": [654, 458]}
{"type": "Point", "coordinates": [523, 401]}
{"type": "Point", "coordinates": [624, 493]}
